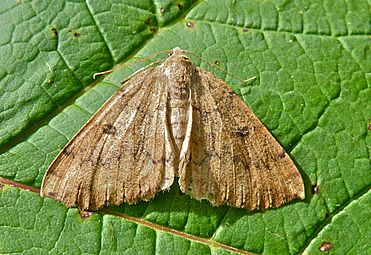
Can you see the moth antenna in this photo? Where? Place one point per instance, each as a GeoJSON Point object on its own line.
{"type": "Point", "coordinates": [221, 69]}
{"type": "Point", "coordinates": [139, 70]}
{"type": "Point", "coordinates": [141, 59]}
{"type": "Point", "coordinates": [249, 79]}
{"type": "Point", "coordinates": [102, 73]}
{"type": "Point", "coordinates": [125, 65]}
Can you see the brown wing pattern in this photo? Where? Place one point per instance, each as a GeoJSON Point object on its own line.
{"type": "Point", "coordinates": [233, 158]}
{"type": "Point", "coordinates": [120, 154]}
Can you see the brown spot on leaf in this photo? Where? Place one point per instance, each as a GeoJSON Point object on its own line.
{"type": "Point", "coordinates": [1, 186]}
{"type": "Point", "coordinates": [315, 189]}
{"type": "Point", "coordinates": [108, 129]}
{"type": "Point", "coordinates": [190, 24]}
{"type": "Point", "coordinates": [180, 6]}
{"type": "Point", "coordinates": [369, 126]}
{"type": "Point", "coordinates": [216, 62]}
{"type": "Point", "coordinates": [153, 30]}
{"type": "Point", "coordinates": [245, 29]}
{"type": "Point", "coordinates": [292, 39]}
{"type": "Point", "coordinates": [76, 34]}
{"type": "Point", "coordinates": [325, 246]}
{"type": "Point", "coordinates": [54, 31]}
{"type": "Point", "coordinates": [148, 21]}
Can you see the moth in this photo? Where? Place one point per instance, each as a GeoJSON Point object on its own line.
{"type": "Point", "coordinates": [167, 121]}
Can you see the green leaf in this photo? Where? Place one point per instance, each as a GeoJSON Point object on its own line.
{"type": "Point", "coordinates": [312, 62]}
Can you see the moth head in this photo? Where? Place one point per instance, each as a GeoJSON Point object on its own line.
{"type": "Point", "coordinates": [178, 52]}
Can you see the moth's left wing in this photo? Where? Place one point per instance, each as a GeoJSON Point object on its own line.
{"type": "Point", "coordinates": [121, 154]}
{"type": "Point", "coordinates": [232, 157]}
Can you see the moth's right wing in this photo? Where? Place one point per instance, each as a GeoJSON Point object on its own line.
{"type": "Point", "coordinates": [233, 159]}
{"type": "Point", "coordinates": [121, 154]}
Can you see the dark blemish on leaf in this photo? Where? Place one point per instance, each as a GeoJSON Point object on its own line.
{"type": "Point", "coordinates": [180, 6]}
{"type": "Point", "coordinates": [1, 186]}
{"type": "Point", "coordinates": [242, 131]}
{"type": "Point", "coordinates": [315, 189]}
{"type": "Point", "coordinates": [245, 29]}
{"type": "Point", "coordinates": [76, 34]}
{"type": "Point", "coordinates": [162, 10]}
{"type": "Point", "coordinates": [292, 39]}
{"type": "Point", "coordinates": [85, 214]}
{"type": "Point", "coordinates": [325, 246]}
{"type": "Point", "coordinates": [216, 62]}
{"type": "Point", "coordinates": [190, 24]}
{"type": "Point", "coordinates": [327, 215]}
{"type": "Point", "coordinates": [153, 30]}
{"type": "Point", "coordinates": [54, 31]}
{"type": "Point", "coordinates": [108, 129]}
{"type": "Point", "coordinates": [148, 21]}
{"type": "Point", "coordinates": [369, 126]}
{"type": "Point", "coordinates": [282, 154]}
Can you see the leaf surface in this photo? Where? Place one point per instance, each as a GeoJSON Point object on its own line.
{"type": "Point", "coordinates": [312, 62]}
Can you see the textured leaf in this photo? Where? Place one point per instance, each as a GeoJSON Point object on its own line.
{"type": "Point", "coordinates": [312, 62]}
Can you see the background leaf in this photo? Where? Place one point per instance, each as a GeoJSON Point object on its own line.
{"type": "Point", "coordinates": [312, 62]}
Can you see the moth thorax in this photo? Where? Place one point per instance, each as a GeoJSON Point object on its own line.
{"type": "Point", "coordinates": [178, 70]}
